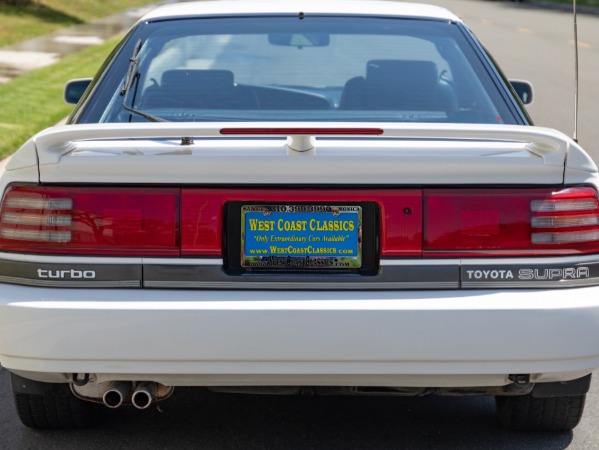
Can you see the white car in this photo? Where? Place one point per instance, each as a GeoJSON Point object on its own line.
{"type": "Point", "coordinates": [265, 196]}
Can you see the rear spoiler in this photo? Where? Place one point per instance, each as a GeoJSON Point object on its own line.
{"type": "Point", "coordinates": [550, 145]}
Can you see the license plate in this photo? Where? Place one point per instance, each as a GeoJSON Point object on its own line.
{"type": "Point", "coordinates": [301, 237]}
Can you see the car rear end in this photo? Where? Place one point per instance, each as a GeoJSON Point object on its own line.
{"type": "Point", "coordinates": [355, 251]}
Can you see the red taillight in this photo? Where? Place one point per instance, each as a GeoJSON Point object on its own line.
{"type": "Point", "coordinates": [568, 217]}
{"type": "Point", "coordinates": [191, 222]}
{"type": "Point", "coordinates": [115, 221]}
{"type": "Point", "coordinates": [476, 222]}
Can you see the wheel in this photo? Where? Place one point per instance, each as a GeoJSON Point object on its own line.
{"type": "Point", "coordinates": [528, 413]}
{"type": "Point", "coordinates": [55, 408]}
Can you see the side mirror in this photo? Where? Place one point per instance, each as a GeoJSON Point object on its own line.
{"type": "Point", "coordinates": [523, 90]}
{"type": "Point", "coordinates": [74, 89]}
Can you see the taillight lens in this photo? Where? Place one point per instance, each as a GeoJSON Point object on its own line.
{"type": "Point", "coordinates": [475, 222]}
{"type": "Point", "coordinates": [115, 221]}
{"type": "Point", "coordinates": [566, 217]}
{"type": "Point", "coordinates": [189, 221]}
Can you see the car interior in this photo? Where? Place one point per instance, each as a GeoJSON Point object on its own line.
{"type": "Point", "coordinates": [388, 85]}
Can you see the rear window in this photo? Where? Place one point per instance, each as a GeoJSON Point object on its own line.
{"type": "Point", "coordinates": [291, 69]}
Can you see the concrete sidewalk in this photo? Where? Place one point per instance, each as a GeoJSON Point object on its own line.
{"type": "Point", "coordinates": [45, 50]}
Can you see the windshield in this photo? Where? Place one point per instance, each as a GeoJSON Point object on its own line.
{"type": "Point", "coordinates": [291, 69]}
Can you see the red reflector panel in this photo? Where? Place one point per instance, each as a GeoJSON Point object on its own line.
{"type": "Point", "coordinates": [481, 222]}
{"type": "Point", "coordinates": [90, 221]}
{"type": "Point", "coordinates": [478, 222]}
{"type": "Point", "coordinates": [202, 215]}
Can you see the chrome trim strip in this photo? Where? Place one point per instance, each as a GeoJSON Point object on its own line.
{"type": "Point", "coordinates": [212, 277]}
{"type": "Point", "coordinates": [533, 261]}
{"type": "Point", "coordinates": [62, 259]}
{"type": "Point", "coordinates": [207, 273]}
{"type": "Point", "coordinates": [71, 275]}
{"type": "Point", "coordinates": [183, 262]}
{"type": "Point", "coordinates": [493, 261]}
{"type": "Point", "coordinates": [419, 262]}
{"type": "Point", "coordinates": [346, 285]}
{"type": "Point", "coordinates": [558, 284]}
{"type": "Point", "coordinates": [71, 284]}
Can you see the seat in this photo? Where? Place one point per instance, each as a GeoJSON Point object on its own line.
{"type": "Point", "coordinates": [199, 89]}
{"type": "Point", "coordinates": [397, 85]}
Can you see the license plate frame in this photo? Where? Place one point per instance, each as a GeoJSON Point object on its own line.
{"type": "Point", "coordinates": [233, 236]}
{"type": "Point", "coordinates": [301, 236]}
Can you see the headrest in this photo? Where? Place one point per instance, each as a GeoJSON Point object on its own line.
{"type": "Point", "coordinates": [418, 73]}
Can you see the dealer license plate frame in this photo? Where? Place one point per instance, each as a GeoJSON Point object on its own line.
{"type": "Point", "coordinates": [366, 263]}
{"type": "Point", "coordinates": [301, 236]}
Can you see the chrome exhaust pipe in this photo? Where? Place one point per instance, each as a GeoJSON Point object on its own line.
{"type": "Point", "coordinates": [116, 394]}
{"type": "Point", "coordinates": [144, 394]}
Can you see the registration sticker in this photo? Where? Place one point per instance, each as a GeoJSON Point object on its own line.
{"type": "Point", "coordinates": [301, 236]}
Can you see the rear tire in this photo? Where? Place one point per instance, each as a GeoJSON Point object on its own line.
{"type": "Point", "coordinates": [528, 413]}
{"type": "Point", "coordinates": [56, 408]}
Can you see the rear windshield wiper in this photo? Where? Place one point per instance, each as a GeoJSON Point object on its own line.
{"type": "Point", "coordinates": [133, 77]}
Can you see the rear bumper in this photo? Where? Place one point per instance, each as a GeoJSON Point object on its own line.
{"type": "Point", "coordinates": [209, 337]}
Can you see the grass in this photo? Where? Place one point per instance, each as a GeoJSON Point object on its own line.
{"type": "Point", "coordinates": [34, 101]}
{"type": "Point", "coordinates": [19, 23]}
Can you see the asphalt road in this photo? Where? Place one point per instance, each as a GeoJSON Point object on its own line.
{"type": "Point", "coordinates": [537, 44]}
{"type": "Point", "coordinates": [196, 419]}
{"type": "Point", "coordinates": [529, 43]}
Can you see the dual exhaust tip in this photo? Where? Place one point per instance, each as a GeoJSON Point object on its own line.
{"type": "Point", "coordinates": [120, 392]}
